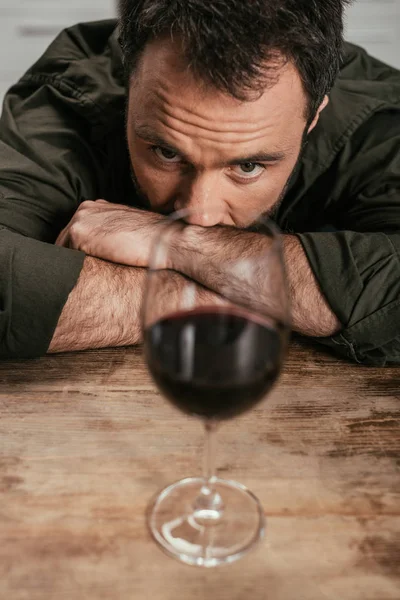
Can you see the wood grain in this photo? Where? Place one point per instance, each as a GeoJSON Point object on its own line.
{"type": "Point", "coordinates": [86, 441]}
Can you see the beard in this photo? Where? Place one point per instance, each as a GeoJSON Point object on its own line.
{"type": "Point", "coordinates": [140, 195]}
{"type": "Point", "coordinates": [272, 212]}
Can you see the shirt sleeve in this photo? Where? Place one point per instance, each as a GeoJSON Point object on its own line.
{"type": "Point", "coordinates": [47, 167]}
{"type": "Point", "coordinates": [358, 266]}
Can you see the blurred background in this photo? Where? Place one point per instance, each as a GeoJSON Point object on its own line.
{"type": "Point", "coordinates": [28, 26]}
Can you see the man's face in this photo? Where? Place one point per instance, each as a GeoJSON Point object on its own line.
{"type": "Point", "coordinates": [193, 147]}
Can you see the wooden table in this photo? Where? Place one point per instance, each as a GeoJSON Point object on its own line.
{"type": "Point", "coordinates": [86, 441]}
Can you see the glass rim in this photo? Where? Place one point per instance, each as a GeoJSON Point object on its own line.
{"type": "Point", "coordinates": [178, 215]}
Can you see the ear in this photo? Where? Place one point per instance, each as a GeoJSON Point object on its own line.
{"type": "Point", "coordinates": [323, 105]}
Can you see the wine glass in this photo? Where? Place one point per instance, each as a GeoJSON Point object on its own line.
{"type": "Point", "coordinates": [215, 334]}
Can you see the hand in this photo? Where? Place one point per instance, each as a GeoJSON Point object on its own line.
{"type": "Point", "coordinates": [113, 232]}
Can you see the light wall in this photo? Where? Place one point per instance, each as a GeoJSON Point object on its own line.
{"type": "Point", "coordinates": [375, 25]}
{"type": "Point", "coordinates": [28, 26]}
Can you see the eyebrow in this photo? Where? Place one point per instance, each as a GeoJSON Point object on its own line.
{"type": "Point", "coordinates": [148, 135]}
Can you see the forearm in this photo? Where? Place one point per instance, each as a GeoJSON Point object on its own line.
{"type": "Point", "coordinates": [214, 250]}
{"type": "Point", "coordinates": [222, 259]}
{"type": "Point", "coordinates": [311, 313]}
{"type": "Point", "coordinates": [102, 310]}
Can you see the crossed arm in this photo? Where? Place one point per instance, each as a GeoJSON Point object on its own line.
{"type": "Point", "coordinates": [104, 307]}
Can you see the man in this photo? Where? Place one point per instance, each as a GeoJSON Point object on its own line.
{"type": "Point", "coordinates": [230, 107]}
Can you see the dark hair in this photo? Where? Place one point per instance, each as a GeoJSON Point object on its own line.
{"type": "Point", "coordinates": [237, 45]}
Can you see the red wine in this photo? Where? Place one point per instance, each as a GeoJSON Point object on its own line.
{"type": "Point", "coordinates": [212, 362]}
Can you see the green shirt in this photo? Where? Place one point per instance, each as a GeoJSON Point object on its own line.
{"type": "Point", "coordinates": [62, 141]}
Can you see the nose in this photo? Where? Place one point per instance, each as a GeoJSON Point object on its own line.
{"type": "Point", "coordinates": [200, 197]}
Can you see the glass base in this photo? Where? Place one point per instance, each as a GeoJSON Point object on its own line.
{"type": "Point", "coordinates": [206, 538]}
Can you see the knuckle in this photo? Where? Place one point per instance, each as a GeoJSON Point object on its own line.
{"type": "Point", "coordinates": [76, 230]}
{"type": "Point", "coordinates": [86, 204]}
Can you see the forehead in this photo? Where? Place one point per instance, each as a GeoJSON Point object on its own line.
{"type": "Point", "coordinates": [165, 90]}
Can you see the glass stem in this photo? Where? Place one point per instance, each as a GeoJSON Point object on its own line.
{"type": "Point", "coordinates": [209, 506]}
{"type": "Point", "coordinates": [210, 445]}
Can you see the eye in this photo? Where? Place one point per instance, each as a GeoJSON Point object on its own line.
{"type": "Point", "coordinates": [249, 170]}
{"type": "Point", "coordinates": [165, 155]}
